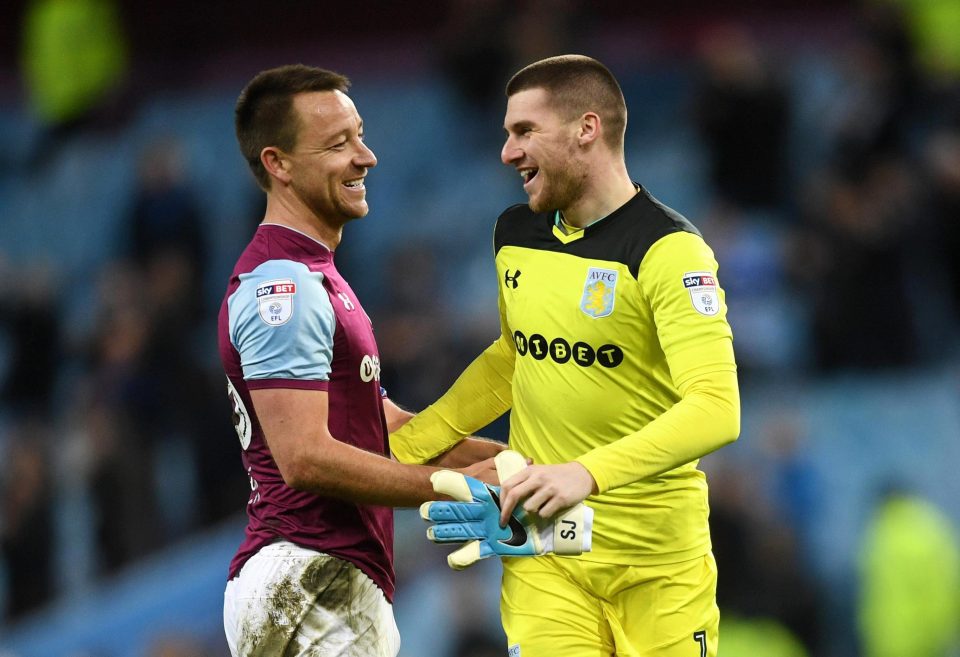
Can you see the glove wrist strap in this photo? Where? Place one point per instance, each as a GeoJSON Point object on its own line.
{"type": "Point", "coordinates": [572, 531]}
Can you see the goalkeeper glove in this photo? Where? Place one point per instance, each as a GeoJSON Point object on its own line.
{"type": "Point", "coordinates": [474, 519]}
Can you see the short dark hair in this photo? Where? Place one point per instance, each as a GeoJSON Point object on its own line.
{"type": "Point", "coordinates": [264, 113]}
{"type": "Point", "coordinates": [577, 84]}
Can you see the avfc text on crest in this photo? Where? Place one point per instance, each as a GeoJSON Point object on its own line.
{"type": "Point", "coordinates": [599, 292]}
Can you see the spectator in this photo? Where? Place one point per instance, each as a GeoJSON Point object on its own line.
{"type": "Point", "coordinates": [166, 228]}
{"type": "Point", "coordinates": [26, 519]}
{"type": "Point", "coordinates": [942, 168]}
{"type": "Point", "coordinates": [909, 580]}
{"type": "Point", "coordinates": [743, 114]}
{"type": "Point", "coordinates": [474, 52]}
{"type": "Point", "coordinates": [858, 245]}
{"type": "Point", "coordinates": [871, 112]}
{"type": "Point", "coordinates": [415, 328]}
{"type": "Point", "coordinates": [768, 576]}
{"type": "Point", "coordinates": [74, 64]}
{"type": "Point", "coordinates": [30, 317]}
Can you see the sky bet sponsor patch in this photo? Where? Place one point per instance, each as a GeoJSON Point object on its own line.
{"type": "Point", "coordinates": [275, 301]}
{"type": "Point", "coordinates": [702, 286]}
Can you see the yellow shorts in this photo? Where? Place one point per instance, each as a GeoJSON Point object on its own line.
{"type": "Point", "coordinates": [554, 606]}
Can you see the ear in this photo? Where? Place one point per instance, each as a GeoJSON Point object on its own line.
{"type": "Point", "coordinates": [276, 163]}
{"type": "Point", "coordinates": [590, 128]}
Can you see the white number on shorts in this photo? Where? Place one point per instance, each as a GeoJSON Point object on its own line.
{"type": "Point", "coordinates": [701, 638]}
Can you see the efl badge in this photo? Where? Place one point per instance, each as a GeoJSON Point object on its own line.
{"type": "Point", "coordinates": [703, 292]}
{"type": "Point", "coordinates": [275, 301]}
{"type": "Point", "coordinates": [598, 292]}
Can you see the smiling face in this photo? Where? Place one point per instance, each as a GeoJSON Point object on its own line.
{"type": "Point", "coordinates": [329, 161]}
{"type": "Point", "coordinates": [542, 145]}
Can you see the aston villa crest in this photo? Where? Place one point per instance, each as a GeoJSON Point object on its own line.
{"type": "Point", "coordinates": [599, 292]}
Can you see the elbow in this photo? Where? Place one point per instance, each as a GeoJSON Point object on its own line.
{"type": "Point", "coordinates": [311, 475]}
{"type": "Point", "coordinates": [294, 477]}
{"type": "Point", "coordinates": [722, 402]}
{"type": "Point", "coordinates": [722, 416]}
{"type": "Point", "coordinates": [728, 426]}
{"type": "Point", "coordinates": [298, 475]}
{"type": "Point", "coordinates": [731, 435]}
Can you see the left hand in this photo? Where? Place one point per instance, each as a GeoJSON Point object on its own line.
{"type": "Point", "coordinates": [548, 489]}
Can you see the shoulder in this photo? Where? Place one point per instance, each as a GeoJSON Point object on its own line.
{"type": "Point", "coordinates": [273, 288]}
{"type": "Point", "coordinates": [644, 222]}
{"type": "Point", "coordinates": [628, 235]}
{"type": "Point", "coordinates": [661, 215]}
{"type": "Point", "coordinates": [679, 257]}
{"type": "Point", "coordinates": [278, 267]}
{"type": "Point", "coordinates": [519, 225]}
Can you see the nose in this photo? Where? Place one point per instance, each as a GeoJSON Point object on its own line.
{"type": "Point", "coordinates": [510, 151]}
{"type": "Point", "coordinates": [365, 157]}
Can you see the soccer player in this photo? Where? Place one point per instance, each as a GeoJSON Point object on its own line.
{"type": "Point", "coordinates": [314, 574]}
{"type": "Point", "coordinates": [616, 360]}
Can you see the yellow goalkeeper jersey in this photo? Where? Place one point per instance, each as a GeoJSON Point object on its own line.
{"type": "Point", "coordinates": [614, 352]}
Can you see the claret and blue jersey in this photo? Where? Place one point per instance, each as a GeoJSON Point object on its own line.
{"type": "Point", "coordinates": [289, 320]}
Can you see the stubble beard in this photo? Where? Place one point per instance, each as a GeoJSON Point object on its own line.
{"type": "Point", "coordinates": [563, 183]}
{"type": "Point", "coordinates": [563, 187]}
{"type": "Point", "coordinates": [331, 208]}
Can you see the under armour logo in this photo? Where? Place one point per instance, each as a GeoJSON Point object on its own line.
{"type": "Point", "coordinates": [511, 280]}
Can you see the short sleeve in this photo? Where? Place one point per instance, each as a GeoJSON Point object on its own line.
{"type": "Point", "coordinates": [282, 325]}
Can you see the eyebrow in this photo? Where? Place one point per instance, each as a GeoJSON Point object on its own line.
{"type": "Point", "coordinates": [346, 132]}
{"type": "Point", "coordinates": [342, 134]}
{"type": "Point", "coordinates": [517, 125]}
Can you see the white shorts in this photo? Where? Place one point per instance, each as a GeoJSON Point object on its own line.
{"type": "Point", "coordinates": [295, 602]}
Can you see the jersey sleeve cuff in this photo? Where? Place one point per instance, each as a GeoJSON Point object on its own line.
{"type": "Point", "coordinates": [589, 461]}
{"type": "Point", "coordinates": [295, 384]}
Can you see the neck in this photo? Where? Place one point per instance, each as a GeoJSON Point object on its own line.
{"type": "Point", "coordinates": [606, 189]}
{"type": "Point", "coordinates": [284, 211]}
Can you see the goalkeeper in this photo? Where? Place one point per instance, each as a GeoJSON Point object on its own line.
{"type": "Point", "coordinates": [616, 361]}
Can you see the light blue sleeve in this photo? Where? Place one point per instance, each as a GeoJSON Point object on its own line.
{"type": "Point", "coordinates": [282, 323]}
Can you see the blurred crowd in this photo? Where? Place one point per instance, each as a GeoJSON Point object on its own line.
{"type": "Point", "coordinates": [836, 236]}
{"type": "Point", "coordinates": [115, 421]}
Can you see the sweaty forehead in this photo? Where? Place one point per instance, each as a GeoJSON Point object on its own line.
{"type": "Point", "coordinates": [326, 112]}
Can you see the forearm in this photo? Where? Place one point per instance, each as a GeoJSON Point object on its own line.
{"type": "Point", "coordinates": [705, 419]}
{"type": "Point", "coordinates": [467, 452]}
{"type": "Point", "coordinates": [310, 458]}
{"type": "Point", "coordinates": [396, 416]}
{"type": "Point", "coordinates": [346, 472]}
{"type": "Point", "coordinates": [480, 395]}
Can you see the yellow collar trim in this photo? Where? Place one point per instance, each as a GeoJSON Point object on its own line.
{"type": "Point", "coordinates": [566, 238]}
